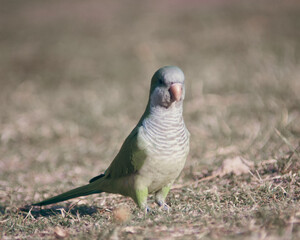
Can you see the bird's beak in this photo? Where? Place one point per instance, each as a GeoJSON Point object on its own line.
{"type": "Point", "coordinates": [176, 91]}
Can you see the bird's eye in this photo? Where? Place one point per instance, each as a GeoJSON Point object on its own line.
{"type": "Point", "coordinates": [160, 81]}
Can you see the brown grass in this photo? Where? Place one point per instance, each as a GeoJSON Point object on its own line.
{"type": "Point", "coordinates": [74, 81]}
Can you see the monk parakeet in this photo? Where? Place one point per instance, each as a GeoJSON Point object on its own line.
{"type": "Point", "coordinates": [154, 153]}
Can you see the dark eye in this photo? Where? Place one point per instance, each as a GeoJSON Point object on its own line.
{"type": "Point", "coordinates": [160, 81]}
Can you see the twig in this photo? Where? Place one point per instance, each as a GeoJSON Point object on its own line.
{"type": "Point", "coordinates": [295, 150]}
{"type": "Point", "coordinates": [29, 214]}
{"type": "Point", "coordinates": [195, 182]}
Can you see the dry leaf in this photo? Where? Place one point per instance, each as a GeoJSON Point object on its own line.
{"type": "Point", "coordinates": [78, 201]}
{"type": "Point", "coordinates": [130, 229]}
{"type": "Point", "coordinates": [236, 165]}
{"type": "Point", "coordinates": [60, 233]}
{"type": "Point", "coordinates": [121, 214]}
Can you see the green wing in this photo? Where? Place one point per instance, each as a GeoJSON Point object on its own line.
{"type": "Point", "coordinates": [130, 158]}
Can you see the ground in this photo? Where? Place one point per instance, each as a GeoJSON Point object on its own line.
{"type": "Point", "coordinates": [74, 81]}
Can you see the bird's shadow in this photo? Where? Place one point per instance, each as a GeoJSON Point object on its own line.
{"type": "Point", "coordinates": [74, 210]}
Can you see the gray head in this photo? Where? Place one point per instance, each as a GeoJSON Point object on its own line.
{"type": "Point", "coordinates": [167, 87]}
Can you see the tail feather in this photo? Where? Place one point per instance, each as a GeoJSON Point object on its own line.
{"type": "Point", "coordinates": [77, 192]}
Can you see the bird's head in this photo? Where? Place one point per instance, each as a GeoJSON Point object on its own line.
{"type": "Point", "coordinates": [167, 87]}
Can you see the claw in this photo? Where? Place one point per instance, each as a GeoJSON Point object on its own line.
{"type": "Point", "coordinates": [147, 210]}
{"type": "Point", "coordinates": [164, 206]}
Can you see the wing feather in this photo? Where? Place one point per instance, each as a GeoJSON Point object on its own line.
{"type": "Point", "coordinates": [130, 158]}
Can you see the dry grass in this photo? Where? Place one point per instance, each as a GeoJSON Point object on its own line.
{"type": "Point", "coordinates": [74, 81]}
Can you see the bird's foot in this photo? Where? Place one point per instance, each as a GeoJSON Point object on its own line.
{"type": "Point", "coordinates": [164, 206]}
{"type": "Point", "coordinates": [147, 210]}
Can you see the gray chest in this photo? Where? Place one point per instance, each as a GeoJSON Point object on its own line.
{"type": "Point", "coordinates": [166, 145]}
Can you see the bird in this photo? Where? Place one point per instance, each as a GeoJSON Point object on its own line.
{"type": "Point", "coordinates": [154, 153]}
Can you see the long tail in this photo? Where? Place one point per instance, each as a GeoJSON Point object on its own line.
{"type": "Point", "coordinates": [77, 192]}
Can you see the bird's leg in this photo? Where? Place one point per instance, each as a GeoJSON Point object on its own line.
{"type": "Point", "coordinates": [141, 196]}
{"type": "Point", "coordinates": [160, 197]}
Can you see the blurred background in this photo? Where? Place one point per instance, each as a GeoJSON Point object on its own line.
{"type": "Point", "coordinates": [75, 77]}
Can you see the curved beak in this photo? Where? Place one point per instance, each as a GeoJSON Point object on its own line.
{"type": "Point", "coordinates": [176, 91]}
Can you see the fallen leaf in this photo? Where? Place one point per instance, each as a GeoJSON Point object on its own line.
{"type": "Point", "coordinates": [60, 233]}
{"type": "Point", "coordinates": [130, 229]}
{"type": "Point", "coordinates": [236, 165]}
{"type": "Point", "coordinates": [121, 214]}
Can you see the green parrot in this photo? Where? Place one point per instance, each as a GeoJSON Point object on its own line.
{"type": "Point", "coordinates": [154, 153]}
